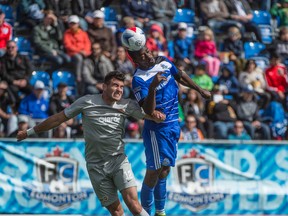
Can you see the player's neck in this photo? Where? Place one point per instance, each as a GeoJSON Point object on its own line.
{"type": "Point", "coordinates": [107, 100]}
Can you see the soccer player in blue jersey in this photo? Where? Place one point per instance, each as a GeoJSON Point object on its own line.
{"type": "Point", "coordinates": [155, 88]}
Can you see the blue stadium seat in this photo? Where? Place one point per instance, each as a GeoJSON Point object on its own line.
{"type": "Point", "coordinates": [263, 20]}
{"type": "Point", "coordinates": [24, 46]}
{"type": "Point", "coordinates": [45, 78]}
{"type": "Point", "coordinates": [8, 10]}
{"type": "Point", "coordinates": [40, 75]}
{"type": "Point", "coordinates": [261, 17]}
{"type": "Point", "coordinates": [110, 14]}
{"type": "Point", "coordinates": [253, 49]}
{"type": "Point", "coordinates": [66, 77]}
{"type": "Point", "coordinates": [184, 15]}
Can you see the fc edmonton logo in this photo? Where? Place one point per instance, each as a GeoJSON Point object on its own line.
{"type": "Point", "coordinates": [57, 175]}
{"type": "Point", "coordinates": [195, 177]}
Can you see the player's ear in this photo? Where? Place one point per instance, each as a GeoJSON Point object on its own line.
{"type": "Point", "coordinates": [104, 86]}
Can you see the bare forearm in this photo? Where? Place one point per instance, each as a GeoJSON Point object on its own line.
{"type": "Point", "coordinates": [51, 122]}
{"type": "Point", "coordinates": [149, 104]}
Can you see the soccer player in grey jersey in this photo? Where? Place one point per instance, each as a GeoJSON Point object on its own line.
{"type": "Point", "coordinates": [103, 125]}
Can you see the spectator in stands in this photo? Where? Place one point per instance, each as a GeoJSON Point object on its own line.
{"type": "Point", "coordinates": [22, 124]}
{"type": "Point", "coordinates": [139, 10]}
{"type": "Point", "coordinates": [95, 69]}
{"type": "Point", "coordinates": [280, 10]}
{"type": "Point", "coordinates": [5, 33]}
{"type": "Point", "coordinates": [222, 113]}
{"type": "Point", "coordinates": [16, 70]}
{"type": "Point", "coordinates": [280, 45]}
{"type": "Point", "coordinates": [228, 82]}
{"type": "Point", "coordinates": [215, 14]}
{"type": "Point", "coordinates": [277, 118]}
{"type": "Point", "coordinates": [185, 4]}
{"type": "Point", "coordinates": [205, 50]}
{"type": "Point", "coordinates": [62, 9]}
{"type": "Point", "coordinates": [127, 22]}
{"type": "Point", "coordinates": [122, 63]}
{"type": "Point", "coordinates": [201, 78]}
{"type": "Point", "coordinates": [238, 132]}
{"type": "Point", "coordinates": [276, 77]}
{"type": "Point", "coordinates": [254, 76]}
{"type": "Point", "coordinates": [7, 101]}
{"type": "Point", "coordinates": [241, 12]}
{"type": "Point", "coordinates": [46, 38]}
{"type": "Point", "coordinates": [234, 45]}
{"type": "Point", "coordinates": [84, 9]}
{"type": "Point", "coordinates": [58, 102]}
{"type": "Point", "coordinates": [77, 45]}
{"type": "Point", "coordinates": [132, 131]}
{"type": "Point", "coordinates": [247, 111]}
{"type": "Point", "coordinates": [31, 12]}
{"type": "Point", "coordinates": [164, 12]}
{"type": "Point", "coordinates": [35, 105]}
{"type": "Point", "coordinates": [194, 105]}
{"type": "Point", "coordinates": [103, 35]}
{"type": "Point", "coordinates": [182, 45]}
{"type": "Point", "coordinates": [156, 42]}
{"type": "Point", "coordinates": [190, 132]}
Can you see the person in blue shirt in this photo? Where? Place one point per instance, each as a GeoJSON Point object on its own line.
{"type": "Point", "coordinates": [238, 132]}
{"type": "Point", "coordinates": [155, 88]}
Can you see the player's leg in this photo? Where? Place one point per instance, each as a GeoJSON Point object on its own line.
{"type": "Point", "coordinates": [131, 200]}
{"type": "Point", "coordinates": [160, 191]}
{"type": "Point", "coordinates": [115, 209]}
{"type": "Point", "coordinates": [105, 189]}
{"type": "Point", "coordinates": [147, 191]}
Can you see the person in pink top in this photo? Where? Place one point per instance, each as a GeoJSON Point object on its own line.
{"type": "Point", "coordinates": [205, 50]}
{"type": "Point", "coordinates": [5, 33]}
{"type": "Point", "coordinates": [156, 41]}
{"type": "Point", "coordinates": [77, 44]}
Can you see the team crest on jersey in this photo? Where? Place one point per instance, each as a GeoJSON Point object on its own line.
{"type": "Point", "coordinates": [195, 176]}
{"type": "Point", "coordinates": [57, 174]}
{"type": "Point", "coordinates": [164, 66]}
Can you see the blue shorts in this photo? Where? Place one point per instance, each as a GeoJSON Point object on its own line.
{"type": "Point", "coordinates": [161, 145]}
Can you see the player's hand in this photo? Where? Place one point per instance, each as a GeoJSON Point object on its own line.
{"type": "Point", "coordinates": [205, 94]}
{"type": "Point", "coordinates": [21, 135]}
{"type": "Point", "coordinates": [158, 79]}
{"type": "Point", "coordinates": [158, 116]}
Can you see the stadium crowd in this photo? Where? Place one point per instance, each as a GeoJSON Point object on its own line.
{"type": "Point", "coordinates": [249, 100]}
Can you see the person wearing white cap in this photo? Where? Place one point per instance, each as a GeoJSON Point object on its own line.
{"type": "Point", "coordinates": [98, 32]}
{"type": "Point", "coordinates": [35, 105]}
{"type": "Point", "coordinates": [76, 44]}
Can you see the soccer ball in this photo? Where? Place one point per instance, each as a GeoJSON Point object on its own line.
{"type": "Point", "coordinates": [133, 39]}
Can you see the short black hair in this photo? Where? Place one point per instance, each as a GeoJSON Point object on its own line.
{"type": "Point", "coordinates": [134, 53]}
{"type": "Point", "coordinates": [114, 74]}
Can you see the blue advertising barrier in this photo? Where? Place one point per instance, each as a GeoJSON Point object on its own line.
{"type": "Point", "coordinates": [50, 177]}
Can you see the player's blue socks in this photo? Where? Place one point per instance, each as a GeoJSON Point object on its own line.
{"type": "Point", "coordinates": [147, 198]}
{"type": "Point", "coordinates": [160, 195]}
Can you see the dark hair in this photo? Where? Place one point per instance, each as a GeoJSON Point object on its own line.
{"type": "Point", "coordinates": [114, 74]}
{"type": "Point", "coordinates": [134, 53]}
{"type": "Point", "coordinates": [275, 55]}
{"type": "Point", "coordinates": [248, 62]}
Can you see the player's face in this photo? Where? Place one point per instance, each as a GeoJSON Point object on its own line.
{"type": "Point", "coordinates": [145, 58]}
{"type": "Point", "coordinates": [114, 90]}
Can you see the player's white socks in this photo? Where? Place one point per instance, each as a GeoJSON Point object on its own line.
{"type": "Point", "coordinates": [143, 213]}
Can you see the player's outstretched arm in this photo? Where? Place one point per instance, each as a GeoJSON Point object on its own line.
{"type": "Point", "coordinates": [185, 80]}
{"type": "Point", "coordinates": [51, 122]}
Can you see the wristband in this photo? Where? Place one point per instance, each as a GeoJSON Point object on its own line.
{"type": "Point", "coordinates": [30, 132]}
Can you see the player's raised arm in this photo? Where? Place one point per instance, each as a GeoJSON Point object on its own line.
{"type": "Point", "coordinates": [185, 80]}
{"type": "Point", "coordinates": [50, 123]}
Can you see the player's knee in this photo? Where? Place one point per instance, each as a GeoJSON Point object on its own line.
{"type": "Point", "coordinates": [165, 172]}
{"type": "Point", "coordinates": [115, 209]}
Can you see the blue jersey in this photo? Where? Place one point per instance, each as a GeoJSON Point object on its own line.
{"type": "Point", "coordinates": [166, 92]}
